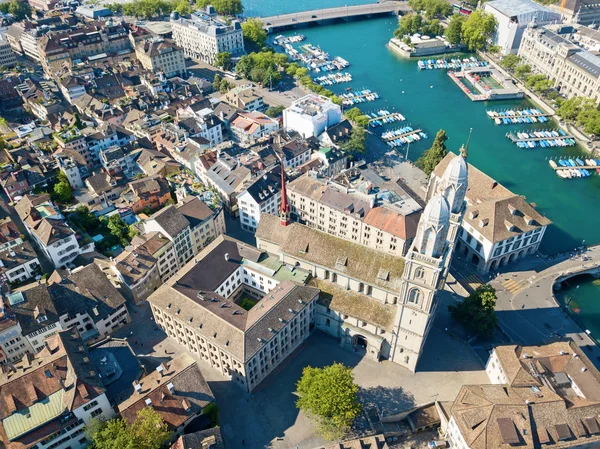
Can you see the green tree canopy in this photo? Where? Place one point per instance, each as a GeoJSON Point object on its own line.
{"type": "Point", "coordinates": [576, 108]}
{"type": "Point", "coordinates": [225, 7]}
{"type": "Point", "coordinates": [223, 59]}
{"type": "Point", "coordinates": [454, 29]}
{"type": "Point", "coordinates": [522, 70]}
{"type": "Point", "coordinates": [432, 8]}
{"type": "Point", "coordinates": [262, 67]}
{"type": "Point", "coordinates": [357, 143]}
{"type": "Point", "coordinates": [408, 24]}
{"type": "Point", "coordinates": [478, 29]}
{"type": "Point", "coordinates": [19, 9]}
{"type": "Point", "coordinates": [120, 229]}
{"type": "Point", "coordinates": [476, 312]}
{"type": "Point", "coordinates": [432, 28]}
{"type": "Point", "coordinates": [538, 83]}
{"type": "Point", "coordinates": [356, 116]}
{"type": "Point", "coordinates": [83, 218]}
{"type": "Point", "coordinates": [147, 9]}
{"type": "Point", "coordinates": [254, 33]}
{"type": "Point", "coordinates": [183, 7]}
{"type": "Point", "coordinates": [432, 156]}
{"type": "Point", "coordinates": [510, 61]}
{"type": "Point", "coordinates": [330, 396]}
{"type": "Point", "coordinates": [274, 111]}
{"type": "Point", "coordinates": [62, 189]}
{"type": "Point", "coordinates": [148, 431]}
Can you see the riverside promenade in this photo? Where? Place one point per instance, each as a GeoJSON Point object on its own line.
{"type": "Point", "coordinates": [527, 309]}
{"type": "Point", "coordinates": [343, 12]}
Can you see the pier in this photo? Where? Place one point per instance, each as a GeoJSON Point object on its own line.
{"type": "Point", "coordinates": [356, 98]}
{"type": "Point", "coordinates": [516, 139]}
{"type": "Point", "coordinates": [395, 137]}
{"type": "Point", "coordinates": [343, 12]}
{"type": "Point", "coordinates": [394, 116]}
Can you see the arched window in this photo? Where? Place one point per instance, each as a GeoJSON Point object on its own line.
{"type": "Point", "coordinates": [414, 296]}
{"type": "Point", "coordinates": [419, 273]}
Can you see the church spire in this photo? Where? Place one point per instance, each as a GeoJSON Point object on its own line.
{"type": "Point", "coordinates": [464, 150]}
{"type": "Point", "coordinates": [284, 207]}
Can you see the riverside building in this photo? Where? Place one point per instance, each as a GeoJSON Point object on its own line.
{"type": "Point", "coordinates": [204, 35]}
{"type": "Point", "coordinates": [574, 72]}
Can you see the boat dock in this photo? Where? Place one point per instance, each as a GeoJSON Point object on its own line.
{"type": "Point", "coordinates": [359, 96]}
{"type": "Point", "coordinates": [382, 117]}
{"type": "Point", "coordinates": [452, 64]}
{"type": "Point", "coordinates": [518, 116]}
{"type": "Point", "coordinates": [333, 78]}
{"type": "Point", "coordinates": [543, 138]}
{"type": "Point", "coordinates": [568, 168]}
{"type": "Point", "coordinates": [401, 136]}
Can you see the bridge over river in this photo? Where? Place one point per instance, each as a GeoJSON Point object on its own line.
{"type": "Point", "coordinates": [343, 12]}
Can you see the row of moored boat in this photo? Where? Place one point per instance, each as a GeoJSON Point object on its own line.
{"type": "Point", "coordinates": [454, 64]}
{"type": "Point", "coordinates": [573, 168]}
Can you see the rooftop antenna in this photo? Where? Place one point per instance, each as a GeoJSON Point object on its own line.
{"type": "Point", "coordinates": [464, 150]}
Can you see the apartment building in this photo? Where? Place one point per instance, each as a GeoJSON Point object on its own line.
{"type": "Point", "coordinates": [358, 206]}
{"type": "Point", "coordinates": [58, 49]}
{"type": "Point", "coordinates": [7, 57]}
{"type": "Point", "coordinates": [103, 137]}
{"type": "Point", "coordinates": [13, 345]}
{"type": "Point", "coordinates": [245, 98]}
{"type": "Point", "coordinates": [540, 397]}
{"type": "Point", "coordinates": [574, 72]}
{"type": "Point", "coordinates": [311, 115]}
{"type": "Point", "coordinates": [46, 225]}
{"type": "Point", "coordinates": [9, 234]}
{"type": "Point", "coordinates": [138, 273]}
{"type": "Point", "coordinates": [149, 193]}
{"type": "Point", "coordinates": [49, 398]}
{"type": "Point", "coordinates": [248, 127]}
{"type": "Point", "coordinates": [201, 307]}
{"type": "Point", "coordinates": [292, 148]}
{"type": "Point", "coordinates": [161, 249]}
{"type": "Point", "coordinates": [176, 390]}
{"type": "Point", "coordinates": [205, 35]}
{"type": "Point", "coordinates": [261, 197]}
{"type": "Point", "coordinates": [84, 299]}
{"type": "Point", "coordinates": [499, 227]}
{"type": "Point", "coordinates": [161, 55]}
{"type": "Point", "coordinates": [191, 225]}
{"type": "Point", "coordinates": [19, 263]}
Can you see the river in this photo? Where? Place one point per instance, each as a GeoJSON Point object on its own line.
{"type": "Point", "coordinates": [431, 101]}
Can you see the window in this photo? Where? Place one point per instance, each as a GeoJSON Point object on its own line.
{"type": "Point", "coordinates": [414, 296]}
{"type": "Point", "coordinates": [419, 273]}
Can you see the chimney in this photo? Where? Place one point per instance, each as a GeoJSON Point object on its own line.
{"type": "Point", "coordinates": [227, 257]}
{"type": "Point", "coordinates": [138, 387]}
{"type": "Point", "coordinates": [148, 402]}
{"type": "Point", "coordinates": [161, 369]}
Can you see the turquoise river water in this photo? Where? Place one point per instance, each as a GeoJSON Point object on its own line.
{"type": "Point", "coordinates": [431, 101]}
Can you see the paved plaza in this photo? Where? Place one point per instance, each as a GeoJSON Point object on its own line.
{"type": "Point", "coordinates": [268, 417]}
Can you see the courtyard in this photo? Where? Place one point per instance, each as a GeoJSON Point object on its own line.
{"type": "Point", "coordinates": [268, 417]}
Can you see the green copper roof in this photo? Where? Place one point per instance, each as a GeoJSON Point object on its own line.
{"type": "Point", "coordinates": [23, 421]}
{"type": "Point", "coordinates": [272, 266]}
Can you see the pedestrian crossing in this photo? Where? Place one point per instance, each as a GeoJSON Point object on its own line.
{"type": "Point", "coordinates": [513, 286]}
{"type": "Point", "coordinates": [471, 282]}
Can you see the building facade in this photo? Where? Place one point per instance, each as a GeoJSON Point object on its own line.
{"type": "Point", "coordinates": [573, 71]}
{"type": "Point", "coordinates": [311, 115]}
{"type": "Point", "coordinates": [261, 197]}
{"type": "Point", "coordinates": [160, 55]}
{"type": "Point", "coordinates": [203, 36]}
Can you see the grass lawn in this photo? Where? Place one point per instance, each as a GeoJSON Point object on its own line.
{"type": "Point", "coordinates": [247, 303]}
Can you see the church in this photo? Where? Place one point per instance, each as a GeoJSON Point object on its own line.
{"type": "Point", "coordinates": [375, 303]}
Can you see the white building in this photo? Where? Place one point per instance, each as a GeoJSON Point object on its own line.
{"type": "Point", "coordinates": [47, 227]}
{"type": "Point", "coordinates": [45, 419]}
{"type": "Point", "coordinates": [204, 35]}
{"type": "Point", "coordinates": [311, 115]}
{"type": "Point", "coordinates": [7, 57]}
{"type": "Point", "coordinates": [499, 227]}
{"type": "Point", "coordinates": [13, 345]}
{"type": "Point", "coordinates": [261, 197]}
{"type": "Point", "coordinates": [161, 55]}
{"type": "Point", "coordinates": [513, 16]}
{"type": "Point", "coordinates": [19, 263]}
{"type": "Point", "coordinates": [248, 127]}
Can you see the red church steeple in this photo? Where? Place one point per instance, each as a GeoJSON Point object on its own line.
{"type": "Point", "coordinates": [284, 207]}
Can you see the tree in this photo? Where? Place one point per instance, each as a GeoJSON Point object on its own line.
{"type": "Point", "coordinates": [571, 108]}
{"type": "Point", "coordinates": [522, 70]}
{"type": "Point", "coordinates": [183, 7]}
{"type": "Point", "coordinates": [409, 24]}
{"type": "Point", "coordinates": [330, 396]}
{"type": "Point", "coordinates": [217, 80]}
{"type": "Point", "coordinates": [254, 32]}
{"type": "Point", "coordinates": [62, 189]}
{"type": "Point", "coordinates": [356, 116]}
{"type": "Point", "coordinates": [454, 30]}
{"type": "Point", "coordinates": [510, 61]}
{"type": "Point", "coordinates": [225, 86]}
{"type": "Point", "coordinates": [432, 28]}
{"type": "Point", "coordinates": [84, 218]}
{"type": "Point", "coordinates": [119, 229]}
{"type": "Point", "coordinates": [274, 111]}
{"type": "Point", "coordinates": [357, 141]}
{"type": "Point", "coordinates": [225, 7]}
{"type": "Point", "coordinates": [148, 431]}
{"type": "Point", "coordinates": [538, 83]}
{"type": "Point", "coordinates": [19, 9]}
{"type": "Point", "coordinates": [478, 29]}
{"type": "Point", "coordinates": [432, 156]}
{"type": "Point", "coordinates": [432, 8]}
{"type": "Point", "coordinates": [223, 60]}
{"type": "Point", "coordinates": [262, 67]}
{"type": "Point", "coordinates": [116, 8]}
{"type": "Point", "coordinates": [476, 312]}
